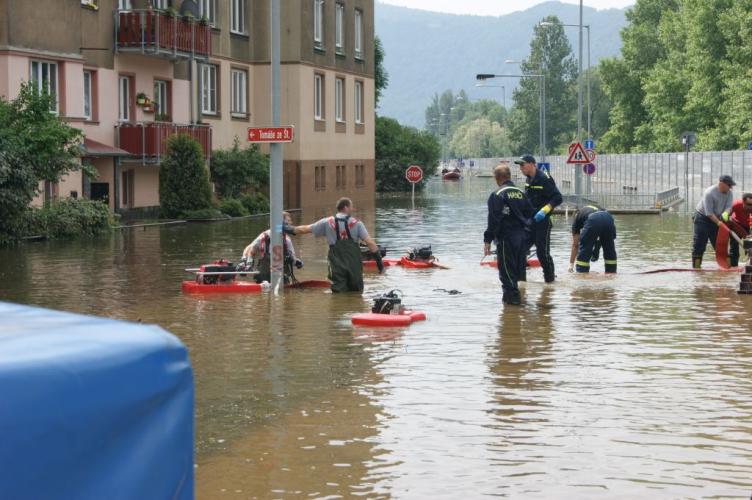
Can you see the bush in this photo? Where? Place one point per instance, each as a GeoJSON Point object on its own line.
{"type": "Point", "coordinates": [397, 148]}
{"type": "Point", "coordinates": [235, 171]}
{"type": "Point", "coordinates": [233, 208]}
{"type": "Point", "coordinates": [69, 218]}
{"type": "Point", "coordinates": [255, 203]}
{"type": "Point", "coordinates": [183, 178]}
{"type": "Point", "coordinates": [203, 214]}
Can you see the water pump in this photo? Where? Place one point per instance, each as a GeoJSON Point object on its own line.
{"type": "Point", "coordinates": [389, 303]}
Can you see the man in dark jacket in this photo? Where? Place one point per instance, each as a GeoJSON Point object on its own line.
{"type": "Point", "coordinates": [509, 212]}
{"type": "Point", "coordinates": [593, 228]}
{"type": "Point", "coordinates": [544, 196]}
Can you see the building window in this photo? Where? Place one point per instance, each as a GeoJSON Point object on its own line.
{"type": "Point", "coordinates": [161, 100]}
{"type": "Point", "coordinates": [125, 98]}
{"type": "Point", "coordinates": [129, 178]}
{"type": "Point", "coordinates": [87, 95]}
{"type": "Point", "coordinates": [339, 23]}
{"type": "Point", "coordinates": [44, 79]}
{"type": "Point", "coordinates": [360, 176]}
{"type": "Point", "coordinates": [124, 5]}
{"type": "Point", "coordinates": [339, 99]}
{"type": "Point", "coordinates": [160, 4]}
{"type": "Point", "coordinates": [358, 33]}
{"type": "Point", "coordinates": [318, 96]}
{"type": "Point", "coordinates": [358, 101]}
{"type": "Point", "coordinates": [237, 16]}
{"type": "Point", "coordinates": [320, 178]}
{"type": "Point", "coordinates": [208, 9]}
{"type": "Point", "coordinates": [318, 22]}
{"type": "Point", "coordinates": [209, 89]}
{"type": "Point", "coordinates": [341, 176]}
{"type": "Point", "coordinates": [239, 92]}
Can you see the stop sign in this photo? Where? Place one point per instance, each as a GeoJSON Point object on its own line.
{"type": "Point", "coordinates": [414, 174]}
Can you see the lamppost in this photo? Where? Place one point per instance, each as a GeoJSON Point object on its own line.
{"type": "Point", "coordinates": [541, 107]}
{"type": "Point", "coordinates": [587, 27]}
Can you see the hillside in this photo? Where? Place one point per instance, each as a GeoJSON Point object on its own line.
{"type": "Point", "coordinates": [429, 52]}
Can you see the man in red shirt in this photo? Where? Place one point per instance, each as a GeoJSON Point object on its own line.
{"type": "Point", "coordinates": [740, 214]}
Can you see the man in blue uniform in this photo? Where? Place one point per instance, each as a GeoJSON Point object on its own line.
{"type": "Point", "coordinates": [509, 213]}
{"type": "Point", "coordinates": [544, 196]}
{"type": "Point", "coordinates": [593, 228]}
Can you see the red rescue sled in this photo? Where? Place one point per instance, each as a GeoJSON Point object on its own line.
{"type": "Point", "coordinates": [371, 264]}
{"type": "Point", "coordinates": [405, 318]}
{"type": "Point", "coordinates": [227, 287]}
{"type": "Point", "coordinates": [451, 176]}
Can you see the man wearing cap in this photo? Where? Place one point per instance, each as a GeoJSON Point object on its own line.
{"type": "Point", "coordinates": [545, 196]}
{"type": "Point", "coordinates": [713, 209]}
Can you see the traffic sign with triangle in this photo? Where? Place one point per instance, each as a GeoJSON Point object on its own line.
{"type": "Point", "coordinates": [577, 154]}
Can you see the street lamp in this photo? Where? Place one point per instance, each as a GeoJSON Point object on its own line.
{"type": "Point", "coordinates": [503, 92]}
{"type": "Point", "coordinates": [542, 106]}
{"type": "Point", "coordinates": [587, 27]}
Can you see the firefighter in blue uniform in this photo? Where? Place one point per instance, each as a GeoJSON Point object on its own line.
{"type": "Point", "coordinates": [593, 228]}
{"type": "Point", "coordinates": [509, 213]}
{"type": "Point", "coordinates": [544, 196]}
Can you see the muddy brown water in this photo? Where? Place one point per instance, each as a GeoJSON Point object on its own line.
{"type": "Point", "coordinates": [622, 386]}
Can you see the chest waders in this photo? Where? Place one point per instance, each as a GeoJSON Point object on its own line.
{"type": "Point", "coordinates": [264, 266]}
{"type": "Point", "coordinates": [345, 263]}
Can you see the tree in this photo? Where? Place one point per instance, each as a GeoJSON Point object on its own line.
{"type": "Point", "coordinates": [35, 146]}
{"type": "Point", "coordinates": [550, 55]}
{"type": "Point", "coordinates": [381, 77]}
{"type": "Point", "coordinates": [480, 138]}
{"type": "Point", "coordinates": [234, 171]}
{"type": "Point", "coordinates": [183, 178]}
{"type": "Point", "coordinates": [398, 147]}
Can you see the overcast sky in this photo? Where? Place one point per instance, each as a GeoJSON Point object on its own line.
{"type": "Point", "coordinates": [496, 7]}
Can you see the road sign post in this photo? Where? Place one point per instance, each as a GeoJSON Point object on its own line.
{"type": "Point", "coordinates": [414, 174]}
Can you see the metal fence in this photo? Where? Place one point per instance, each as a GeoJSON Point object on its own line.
{"type": "Point", "coordinates": [647, 178]}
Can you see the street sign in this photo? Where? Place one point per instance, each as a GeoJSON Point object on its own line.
{"type": "Point", "coordinates": [544, 166]}
{"type": "Point", "coordinates": [414, 174]}
{"type": "Point", "coordinates": [271, 134]}
{"type": "Point", "coordinates": [577, 154]}
{"type": "Point", "coordinates": [688, 139]}
{"type": "Point", "coordinates": [590, 154]}
{"type": "Point", "coordinates": [472, 163]}
{"type": "Point", "coordinates": [749, 146]}
{"type": "Point", "coordinates": [588, 168]}
{"type": "Point", "coordinates": [589, 144]}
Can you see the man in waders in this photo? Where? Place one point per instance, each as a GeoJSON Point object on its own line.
{"type": "Point", "coordinates": [593, 228]}
{"type": "Point", "coordinates": [344, 234]}
{"type": "Point", "coordinates": [509, 213]}
{"type": "Point", "coordinates": [258, 251]}
{"type": "Point", "coordinates": [713, 209]}
{"type": "Point", "coordinates": [545, 196]}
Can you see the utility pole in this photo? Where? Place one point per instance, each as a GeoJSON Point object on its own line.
{"type": "Point", "coordinates": [577, 171]}
{"type": "Point", "coordinates": [275, 158]}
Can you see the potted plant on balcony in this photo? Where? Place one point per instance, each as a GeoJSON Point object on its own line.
{"type": "Point", "coordinates": [162, 117]}
{"type": "Point", "coordinates": [204, 21]}
{"type": "Point", "coordinates": [171, 12]}
{"type": "Point", "coordinates": [141, 99]}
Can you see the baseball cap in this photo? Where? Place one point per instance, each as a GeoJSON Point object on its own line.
{"type": "Point", "coordinates": [726, 179]}
{"type": "Point", "coordinates": [525, 159]}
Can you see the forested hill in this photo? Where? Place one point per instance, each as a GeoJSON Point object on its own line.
{"type": "Point", "coordinates": [429, 52]}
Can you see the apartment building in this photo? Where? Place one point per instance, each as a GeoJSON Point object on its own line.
{"type": "Point", "coordinates": [130, 73]}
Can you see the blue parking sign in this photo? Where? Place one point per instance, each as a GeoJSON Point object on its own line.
{"type": "Point", "coordinates": [749, 146]}
{"type": "Point", "coordinates": [589, 144]}
{"type": "Point", "coordinates": [544, 166]}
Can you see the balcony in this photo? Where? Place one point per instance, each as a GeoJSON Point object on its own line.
{"type": "Point", "coordinates": [161, 34]}
{"type": "Point", "coordinates": [148, 140]}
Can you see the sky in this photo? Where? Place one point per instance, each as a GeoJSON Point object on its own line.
{"type": "Point", "coordinates": [496, 7]}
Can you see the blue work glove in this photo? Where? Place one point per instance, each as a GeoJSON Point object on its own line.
{"type": "Point", "coordinates": [379, 262]}
{"type": "Point", "coordinates": [298, 263]}
{"type": "Point", "coordinates": [288, 229]}
{"type": "Point", "coordinates": [542, 213]}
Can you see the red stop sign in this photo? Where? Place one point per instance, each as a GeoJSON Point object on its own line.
{"type": "Point", "coordinates": [414, 174]}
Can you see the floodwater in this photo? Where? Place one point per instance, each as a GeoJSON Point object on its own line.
{"type": "Point", "coordinates": [620, 386]}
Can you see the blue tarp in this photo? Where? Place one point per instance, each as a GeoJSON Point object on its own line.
{"type": "Point", "coordinates": [92, 408]}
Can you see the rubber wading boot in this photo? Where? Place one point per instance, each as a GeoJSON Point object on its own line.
{"type": "Point", "coordinates": [733, 261]}
{"type": "Point", "coordinates": [696, 261]}
{"type": "Point", "coordinates": [514, 299]}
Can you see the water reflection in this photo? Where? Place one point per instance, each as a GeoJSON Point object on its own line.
{"type": "Point", "coordinates": [620, 386]}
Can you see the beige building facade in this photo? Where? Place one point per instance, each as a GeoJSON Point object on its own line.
{"type": "Point", "coordinates": [130, 73]}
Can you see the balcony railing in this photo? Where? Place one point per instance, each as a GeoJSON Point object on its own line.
{"type": "Point", "coordinates": [148, 140]}
{"type": "Point", "coordinates": [159, 33]}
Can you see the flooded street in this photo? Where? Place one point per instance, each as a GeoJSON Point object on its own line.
{"type": "Point", "coordinates": [619, 386]}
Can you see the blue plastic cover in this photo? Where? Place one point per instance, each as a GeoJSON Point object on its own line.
{"type": "Point", "coordinates": [92, 408]}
